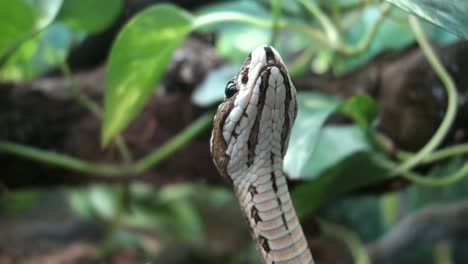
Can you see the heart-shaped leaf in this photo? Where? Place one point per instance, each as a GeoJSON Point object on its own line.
{"type": "Point", "coordinates": [335, 158]}
{"type": "Point", "coordinates": [314, 109]}
{"type": "Point", "coordinates": [362, 109]}
{"type": "Point", "coordinates": [314, 148]}
{"type": "Point", "coordinates": [137, 61]}
{"type": "Point", "coordinates": [355, 171]}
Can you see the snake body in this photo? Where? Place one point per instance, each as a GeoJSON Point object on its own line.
{"type": "Point", "coordinates": [249, 140]}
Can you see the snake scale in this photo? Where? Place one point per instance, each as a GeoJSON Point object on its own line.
{"type": "Point", "coordinates": [248, 142]}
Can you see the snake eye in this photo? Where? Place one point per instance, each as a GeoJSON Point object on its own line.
{"type": "Point", "coordinates": [230, 89]}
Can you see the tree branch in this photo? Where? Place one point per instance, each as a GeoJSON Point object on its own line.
{"type": "Point", "coordinates": [435, 222]}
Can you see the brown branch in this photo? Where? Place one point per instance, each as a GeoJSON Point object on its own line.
{"type": "Point", "coordinates": [435, 222]}
{"type": "Point", "coordinates": [40, 113]}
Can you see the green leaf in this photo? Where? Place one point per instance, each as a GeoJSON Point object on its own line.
{"type": "Point", "coordinates": [313, 148]}
{"type": "Point", "coordinates": [89, 15]}
{"type": "Point", "coordinates": [236, 40]}
{"type": "Point", "coordinates": [381, 42]}
{"type": "Point", "coordinates": [211, 90]}
{"type": "Point", "coordinates": [47, 10]}
{"type": "Point", "coordinates": [80, 202]}
{"type": "Point", "coordinates": [448, 14]}
{"type": "Point", "coordinates": [37, 54]}
{"type": "Point", "coordinates": [289, 7]}
{"type": "Point", "coordinates": [189, 222]}
{"type": "Point", "coordinates": [19, 201]}
{"type": "Point", "coordinates": [137, 61]}
{"type": "Point", "coordinates": [17, 18]}
{"type": "Point", "coordinates": [99, 201]}
{"type": "Point", "coordinates": [361, 108]}
{"type": "Point", "coordinates": [20, 18]}
{"type": "Point", "coordinates": [355, 171]}
{"type": "Point", "coordinates": [246, 7]}
{"type": "Point", "coordinates": [334, 144]}
{"type": "Point", "coordinates": [104, 201]}
{"type": "Point", "coordinates": [335, 158]}
{"type": "Point", "coordinates": [313, 110]}
{"type": "Point", "coordinates": [175, 192]}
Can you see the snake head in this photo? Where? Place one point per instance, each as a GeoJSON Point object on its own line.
{"type": "Point", "coordinates": [253, 123]}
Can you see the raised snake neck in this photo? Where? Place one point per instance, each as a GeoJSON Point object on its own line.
{"type": "Point", "coordinates": [249, 139]}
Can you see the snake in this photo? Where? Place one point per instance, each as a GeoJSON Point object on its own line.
{"type": "Point", "coordinates": [248, 142]}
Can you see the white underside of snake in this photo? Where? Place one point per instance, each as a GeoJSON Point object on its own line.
{"type": "Point", "coordinates": [249, 140]}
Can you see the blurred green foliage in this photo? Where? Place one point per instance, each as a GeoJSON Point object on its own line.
{"type": "Point", "coordinates": [19, 201]}
{"type": "Point", "coordinates": [174, 212]}
{"type": "Point", "coordinates": [88, 15]}
{"type": "Point", "coordinates": [319, 36]}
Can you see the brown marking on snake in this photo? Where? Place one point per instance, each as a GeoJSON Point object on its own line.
{"type": "Point", "coordinates": [252, 190]}
{"type": "Point", "coordinates": [264, 242]}
{"type": "Point", "coordinates": [273, 182]}
{"type": "Point", "coordinates": [275, 189]}
{"type": "Point", "coordinates": [218, 150]}
{"type": "Point", "coordinates": [219, 145]}
{"type": "Point", "coordinates": [283, 217]}
{"type": "Point", "coordinates": [270, 56]}
{"type": "Point", "coordinates": [253, 137]}
{"type": "Point", "coordinates": [285, 131]}
{"type": "Point", "coordinates": [254, 211]}
{"type": "Point", "coordinates": [245, 76]}
{"type": "Point", "coordinates": [254, 214]}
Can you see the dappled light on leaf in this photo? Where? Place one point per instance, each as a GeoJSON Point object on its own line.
{"type": "Point", "coordinates": [137, 61]}
{"type": "Point", "coordinates": [37, 54]}
{"type": "Point", "coordinates": [20, 19]}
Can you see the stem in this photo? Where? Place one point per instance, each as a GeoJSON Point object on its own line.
{"type": "Point", "coordinates": [62, 160]}
{"type": "Point", "coordinates": [65, 161]}
{"type": "Point", "coordinates": [114, 223]}
{"type": "Point", "coordinates": [327, 25]}
{"type": "Point", "coordinates": [443, 253]}
{"type": "Point", "coordinates": [420, 179]}
{"type": "Point", "coordinates": [175, 143]}
{"type": "Point", "coordinates": [447, 152]}
{"type": "Point", "coordinates": [437, 155]}
{"type": "Point", "coordinates": [276, 14]}
{"type": "Point", "coordinates": [355, 245]}
{"type": "Point", "coordinates": [296, 66]}
{"type": "Point", "coordinates": [75, 91]}
{"type": "Point", "coordinates": [218, 17]}
{"type": "Point", "coordinates": [93, 107]}
{"type": "Point", "coordinates": [449, 117]}
{"type": "Point", "coordinates": [123, 149]}
{"type": "Point", "coordinates": [365, 41]}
